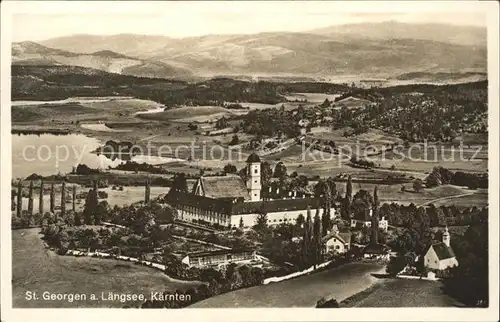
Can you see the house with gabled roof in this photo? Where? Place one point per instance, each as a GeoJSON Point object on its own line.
{"type": "Point", "coordinates": [221, 187]}
{"type": "Point", "coordinates": [337, 242]}
{"type": "Point", "coordinates": [440, 255]}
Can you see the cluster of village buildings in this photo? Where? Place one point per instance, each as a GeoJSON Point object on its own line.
{"type": "Point", "coordinates": [229, 201]}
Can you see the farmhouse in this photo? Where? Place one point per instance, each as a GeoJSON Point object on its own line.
{"type": "Point", "coordinates": [337, 242]}
{"type": "Point", "coordinates": [440, 256]}
{"type": "Point", "coordinates": [220, 257]}
{"type": "Point", "coordinates": [229, 201]}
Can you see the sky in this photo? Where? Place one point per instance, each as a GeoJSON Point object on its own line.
{"type": "Point", "coordinates": [185, 19]}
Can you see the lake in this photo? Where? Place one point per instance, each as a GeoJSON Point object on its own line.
{"type": "Point", "coordinates": [49, 154]}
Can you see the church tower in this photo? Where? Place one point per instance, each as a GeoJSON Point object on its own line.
{"type": "Point", "coordinates": [446, 237]}
{"type": "Point", "coordinates": [253, 177]}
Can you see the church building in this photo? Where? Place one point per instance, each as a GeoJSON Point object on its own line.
{"type": "Point", "coordinates": [440, 255]}
{"type": "Point", "coordinates": [229, 201]}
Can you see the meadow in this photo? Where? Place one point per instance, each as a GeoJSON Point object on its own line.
{"type": "Point", "coordinates": [311, 97]}
{"type": "Point", "coordinates": [37, 269]}
{"type": "Point", "coordinates": [394, 293]}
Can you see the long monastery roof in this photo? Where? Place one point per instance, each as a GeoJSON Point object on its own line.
{"type": "Point", "coordinates": [228, 207]}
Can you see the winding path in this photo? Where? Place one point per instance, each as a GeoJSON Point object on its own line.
{"type": "Point", "coordinates": [339, 283]}
{"type": "Point", "coordinates": [446, 198]}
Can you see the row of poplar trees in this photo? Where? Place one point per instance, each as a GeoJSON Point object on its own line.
{"type": "Point", "coordinates": [317, 228]}
{"type": "Point", "coordinates": [19, 202]}
{"type": "Point", "coordinates": [90, 203]}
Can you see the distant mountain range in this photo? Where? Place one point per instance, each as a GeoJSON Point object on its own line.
{"type": "Point", "coordinates": [453, 34]}
{"type": "Point", "coordinates": [383, 50]}
{"type": "Point", "coordinates": [31, 53]}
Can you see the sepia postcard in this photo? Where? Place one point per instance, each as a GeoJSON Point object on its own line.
{"type": "Point", "coordinates": [314, 160]}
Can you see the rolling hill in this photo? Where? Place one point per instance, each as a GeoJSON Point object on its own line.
{"type": "Point", "coordinates": [31, 53]}
{"type": "Point", "coordinates": [384, 50]}
{"type": "Point", "coordinates": [458, 35]}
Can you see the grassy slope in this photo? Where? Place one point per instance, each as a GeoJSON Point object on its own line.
{"type": "Point", "coordinates": [395, 293]}
{"type": "Point", "coordinates": [37, 269]}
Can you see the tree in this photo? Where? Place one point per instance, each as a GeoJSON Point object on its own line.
{"type": "Point", "coordinates": [261, 222]}
{"type": "Point", "coordinates": [63, 198]}
{"type": "Point", "coordinates": [362, 203]}
{"type": "Point", "coordinates": [13, 205]}
{"type": "Point", "coordinates": [101, 212]}
{"type": "Point", "coordinates": [40, 198]}
{"type": "Point", "coordinates": [433, 180]}
{"type": "Point", "coordinates": [307, 238]}
{"type": "Point", "coordinates": [235, 140]}
{"type": "Point", "coordinates": [52, 198]}
{"type": "Point", "coordinates": [73, 199]}
{"type": "Point", "coordinates": [147, 191]}
{"type": "Point", "coordinates": [77, 219]}
{"type": "Point", "coordinates": [418, 185]}
{"type": "Point", "coordinates": [90, 207]}
{"type": "Point", "coordinates": [221, 123]}
{"type": "Point", "coordinates": [326, 223]}
{"type": "Point", "coordinates": [300, 221]}
{"type": "Point", "coordinates": [242, 225]}
{"type": "Point", "coordinates": [326, 103]}
{"type": "Point", "coordinates": [266, 173]}
{"type": "Point", "coordinates": [396, 265]}
{"type": "Point", "coordinates": [180, 183]}
{"type": "Point", "coordinates": [230, 168]}
{"type": "Point", "coordinates": [19, 199]}
{"type": "Point", "coordinates": [317, 238]}
{"type": "Point", "coordinates": [30, 198]}
{"type": "Point", "coordinates": [348, 190]}
{"type": "Point", "coordinates": [469, 281]}
{"type": "Point", "coordinates": [280, 171]}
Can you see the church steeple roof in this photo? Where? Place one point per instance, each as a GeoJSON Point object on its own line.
{"type": "Point", "coordinates": [253, 158]}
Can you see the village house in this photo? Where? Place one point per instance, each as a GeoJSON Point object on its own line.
{"type": "Point", "coordinates": [337, 242]}
{"type": "Point", "coordinates": [440, 255]}
{"type": "Point", "coordinates": [229, 201]}
{"type": "Point", "coordinates": [363, 219]}
{"type": "Point", "coordinates": [220, 257]}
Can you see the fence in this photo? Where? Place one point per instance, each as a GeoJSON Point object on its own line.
{"type": "Point", "coordinates": [289, 276]}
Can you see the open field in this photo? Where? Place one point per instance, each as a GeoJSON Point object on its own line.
{"type": "Point", "coordinates": [170, 130]}
{"type": "Point", "coordinates": [478, 199]}
{"type": "Point", "coordinates": [351, 102]}
{"type": "Point", "coordinates": [101, 127]}
{"type": "Point", "coordinates": [393, 193]}
{"type": "Point", "coordinates": [37, 269]}
{"type": "Point", "coordinates": [396, 293]}
{"type": "Point", "coordinates": [77, 109]}
{"type": "Point", "coordinates": [311, 97]}
{"type": "Point", "coordinates": [190, 114]}
{"type": "Point", "coordinates": [130, 195]}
